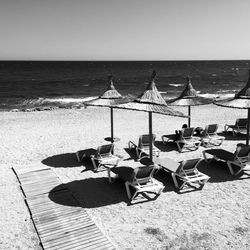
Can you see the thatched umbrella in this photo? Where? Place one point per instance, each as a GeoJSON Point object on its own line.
{"type": "Point", "coordinates": [189, 97]}
{"type": "Point", "coordinates": [151, 101]}
{"type": "Point", "coordinates": [241, 100]}
{"type": "Point", "coordinates": [109, 98]}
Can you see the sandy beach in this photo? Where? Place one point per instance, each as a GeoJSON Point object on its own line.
{"type": "Point", "coordinates": [217, 217]}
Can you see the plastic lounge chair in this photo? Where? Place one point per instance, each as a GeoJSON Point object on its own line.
{"type": "Point", "coordinates": [184, 173]}
{"type": "Point", "coordinates": [104, 156]}
{"type": "Point", "coordinates": [211, 138]}
{"type": "Point", "coordinates": [240, 126]}
{"type": "Point", "coordinates": [142, 148]}
{"type": "Point", "coordinates": [140, 178]}
{"type": "Point", "coordinates": [187, 140]}
{"type": "Point", "coordinates": [240, 158]}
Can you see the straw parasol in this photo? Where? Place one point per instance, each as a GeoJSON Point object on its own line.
{"type": "Point", "coordinates": [241, 100]}
{"type": "Point", "coordinates": [151, 101]}
{"type": "Point", "coordinates": [189, 97]}
{"type": "Point", "coordinates": [109, 98]}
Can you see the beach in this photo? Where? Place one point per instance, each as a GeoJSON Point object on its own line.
{"type": "Point", "coordinates": [216, 217]}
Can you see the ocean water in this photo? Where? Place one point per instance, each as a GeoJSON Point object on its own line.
{"type": "Point", "coordinates": [29, 84]}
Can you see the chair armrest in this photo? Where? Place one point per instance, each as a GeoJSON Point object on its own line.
{"type": "Point", "coordinates": [131, 145]}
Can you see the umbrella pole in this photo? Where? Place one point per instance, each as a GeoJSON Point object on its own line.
{"type": "Point", "coordinates": [112, 125]}
{"type": "Point", "coordinates": [150, 136]}
{"type": "Point", "coordinates": [248, 121]}
{"type": "Point", "coordinates": [189, 116]}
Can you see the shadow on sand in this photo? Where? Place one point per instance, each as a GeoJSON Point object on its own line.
{"type": "Point", "coordinates": [229, 136]}
{"type": "Point", "coordinates": [167, 147]}
{"type": "Point", "coordinates": [69, 160]}
{"type": "Point", "coordinates": [219, 172]}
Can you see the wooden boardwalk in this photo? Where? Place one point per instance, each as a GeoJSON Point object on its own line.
{"type": "Point", "coordinates": [58, 226]}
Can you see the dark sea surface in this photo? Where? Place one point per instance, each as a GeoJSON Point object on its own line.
{"type": "Point", "coordinates": [29, 84]}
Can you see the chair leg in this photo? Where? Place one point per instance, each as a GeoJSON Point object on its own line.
{"type": "Point", "coordinates": [205, 157]}
{"type": "Point", "coordinates": [229, 164]}
{"type": "Point", "coordinates": [175, 180]}
{"type": "Point", "coordinates": [78, 156]}
{"type": "Point", "coordinates": [128, 190]}
{"type": "Point", "coordinates": [179, 147]}
{"type": "Point", "coordinates": [94, 164]}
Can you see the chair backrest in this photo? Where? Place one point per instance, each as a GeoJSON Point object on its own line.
{"type": "Point", "coordinates": [187, 133]}
{"type": "Point", "coordinates": [211, 129]}
{"type": "Point", "coordinates": [144, 141]}
{"type": "Point", "coordinates": [241, 123]}
{"type": "Point", "coordinates": [242, 153]}
{"type": "Point", "coordinates": [105, 150]}
{"type": "Point", "coordinates": [188, 166]}
{"type": "Point", "coordinates": [143, 174]}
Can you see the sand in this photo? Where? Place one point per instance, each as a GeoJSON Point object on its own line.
{"type": "Point", "coordinates": [217, 217]}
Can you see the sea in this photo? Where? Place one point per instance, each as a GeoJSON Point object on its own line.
{"type": "Point", "coordinates": [32, 85]}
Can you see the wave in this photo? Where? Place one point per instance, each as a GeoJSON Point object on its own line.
{"type": "Point", "coordinates": [176, 85]}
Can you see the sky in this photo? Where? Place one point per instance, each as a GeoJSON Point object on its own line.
{"type": "Point", "coordinates": [124, 29]}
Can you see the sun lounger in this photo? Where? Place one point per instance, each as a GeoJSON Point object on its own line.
{"type": "Point", "coordinates": [142, 149]}
{"type": "Point", "coordinates": [239, 159]}
{"type": "Point", "coordinates": [104, 156]}
{"type": "Point", "coordinates": [184, 173]}
{"type": "Point", "coordinates": [240, 126]}
{"type": "Point", "coordinates": [140, 178]}
{"type": "Point", "coordinates": [187, 140]}
{"type": "Point", "coordinates": [210, 136]}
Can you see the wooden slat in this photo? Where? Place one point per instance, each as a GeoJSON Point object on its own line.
{"type": "Point", "coordinates": [59, 226]}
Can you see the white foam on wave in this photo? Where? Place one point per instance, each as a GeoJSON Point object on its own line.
{"type": "Point", "coordinates": [176, 84]}
{"type": "Point", "coordinates": [69, 100]}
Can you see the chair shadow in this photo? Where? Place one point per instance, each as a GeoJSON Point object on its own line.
{"type": "Point", "coordinates": [218, 171]}
{"type": "Point", "coordinates": [132, 154]}
{"type": "Point", "coordinates": [166, 179]}
{"type": "Point", "coordinates": [229, 136]}
{"type": "Point", "coordinates": [69, 160]}
{"type": "Point", "coordinates": [167, 147]}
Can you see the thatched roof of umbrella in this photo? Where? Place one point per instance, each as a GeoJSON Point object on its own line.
{"type": "Point", "coordinates": [189, 97]}
{"type": "Point", "coordinates": [109, 98]}
{"type": "Point", "coordinates": [151, 101]}
{"type": "Point", "coordinates": [241, 100]}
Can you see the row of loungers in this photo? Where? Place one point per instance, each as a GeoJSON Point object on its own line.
{"type": "Point", "coordinates": [186, 140]}
{"type": "Point", "coordinates": [184, 173]}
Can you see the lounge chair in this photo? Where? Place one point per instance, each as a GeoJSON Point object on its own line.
{"type": "Point", "coordinates": [104, 156]}
{"type": "Point", "coordinates": [142, 149]}
{"type": "Point", "coordinates": [240, 126]}
{"type": "Point", "coordinates": [187, 140]}
{"type": "Point", "coordinates": [240, 158]}
{"type": "Point", "coordinates": [210, 136]}
{"type": "Point", "coordinates": [140, 178]}
{"type": "Point", "coordinates": [184, 173]}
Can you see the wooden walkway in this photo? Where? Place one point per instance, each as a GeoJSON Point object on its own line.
{"type": "Point", "coordinates": [58, 226]}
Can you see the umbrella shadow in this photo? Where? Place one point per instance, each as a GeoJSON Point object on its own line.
{"type": "Point", "coordinates": [166, 147]}
{"type": "Point", "coordinates": [218, 171]}
{"type": "Point", "coordinates": [229, 136]}
{"type": "Point", "coordinates": [91, 193]}
{"type": "Point", "coordinates": [69, 160]}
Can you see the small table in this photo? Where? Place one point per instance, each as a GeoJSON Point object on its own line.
{"type": "Point", "coordinates": [115, 139]}
{"type": "Point", "coordinates": [167, 164]}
